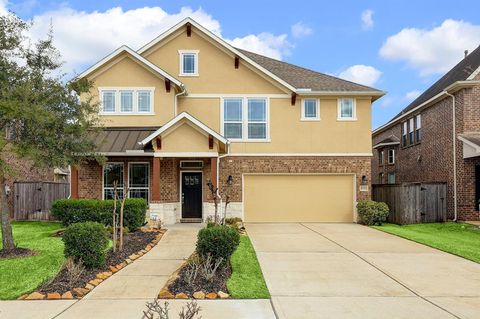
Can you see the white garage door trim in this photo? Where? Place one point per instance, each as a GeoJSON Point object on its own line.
{"type": "Point", "coordinates": [354, 176]}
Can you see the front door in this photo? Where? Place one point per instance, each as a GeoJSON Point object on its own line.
{"type": "Point", "coordinates": [191, 195]}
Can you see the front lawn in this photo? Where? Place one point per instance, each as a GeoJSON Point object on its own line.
{"type": "Point", "coordinates": [246, 281]}
{"type": "Point", "coordinates": [455, 238]}
{"type": "Point", "coordinates": [22, 275]}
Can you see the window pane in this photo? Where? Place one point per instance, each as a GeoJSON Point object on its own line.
{"type": "Point", "coordinates": [233, 130]}
{"type": "Point", "coordinates": [232, 110]}
{"type": "Point", "coordinates": [257, 130]}
{"type": "Point", "coordinates": [189, 63]}
{"type": "Point", "coordinates": [111, 173]}
{"type": "Point", "coordinates": [108, 100]}
{"type": "Point", "coordinates": [391, 178]}
{"type": "Point", "coordinates": [310, 108]}
{"type": "Point", "coordinates": [143, 101]}
{"type": "Point", "coordinates": [419, 121]}
{"type": "Point", "coordinates": [108, 193]}
{"type": "Point", "coordinates": [346, 108]}
{"type": "Point", "coordinates": [138, 175]}
{"type": "Point", "coordinates": [126, 101]}
{"type": "Point", "coordinates": [257, 110]}
{"type": "Point", "coordinates": [139, 193]}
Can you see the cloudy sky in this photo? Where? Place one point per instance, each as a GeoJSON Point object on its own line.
{"type": "Point", "coordinates": [398, 46]}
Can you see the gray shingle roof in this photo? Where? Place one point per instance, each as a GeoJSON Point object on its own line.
{"type": "Point", "coordinates": [302, 78]}
{"type": "Point", "coordinates": [121, 139]}
{"type": "Point", "coordinates": [459, 72]}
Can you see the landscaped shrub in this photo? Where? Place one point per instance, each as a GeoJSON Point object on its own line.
{"type": "Point", "coordinates": [371, 212]}
{"type": "Point", "coordinates": [70, 211]}
{"type": "Point", "coordinates": [86, 242]}
{"type": "Point", "coordinates": [217, 241]}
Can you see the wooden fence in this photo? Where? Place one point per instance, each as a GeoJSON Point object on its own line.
{"type": "Point", "coordinates": [412, 203]}
{"type": "Point", "coordinates": [33, 200]}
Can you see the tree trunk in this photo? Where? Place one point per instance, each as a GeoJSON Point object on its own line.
{"type": "Point", "coordinates": [7, 235]}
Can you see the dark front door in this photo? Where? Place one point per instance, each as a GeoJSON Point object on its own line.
{"type": "Point", "coordinates": [192, 195]}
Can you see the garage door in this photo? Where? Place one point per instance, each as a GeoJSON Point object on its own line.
{"type": "Point", "coordinates": [298, 198]}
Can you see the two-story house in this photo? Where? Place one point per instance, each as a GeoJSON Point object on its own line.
{"type": "Point", "coordinates": [437, 139]}
{"type": "Point", "coordinates": [188, 110]}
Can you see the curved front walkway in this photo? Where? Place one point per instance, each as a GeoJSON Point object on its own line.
{"type": "Point", "coordinates": [352, 271]}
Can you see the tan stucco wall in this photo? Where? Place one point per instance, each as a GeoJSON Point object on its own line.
{"type": "Point", "coordinates": [298, 198]}
{"type": "Point", "coordinates": [124, 72]}
{"type": "Point", "coordinates": [185, 138]}
{"type": "Point", "coordinates": [216, 69]}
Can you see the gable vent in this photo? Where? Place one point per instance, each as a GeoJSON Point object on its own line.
{"type": "Point", "coordinates": [191, 164]}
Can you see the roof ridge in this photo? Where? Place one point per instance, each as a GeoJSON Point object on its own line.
{"type": "Point", "coordinates": [307, 69]}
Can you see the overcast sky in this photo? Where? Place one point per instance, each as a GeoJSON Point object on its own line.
{"type": "Point", "coordinates": [401, 47]}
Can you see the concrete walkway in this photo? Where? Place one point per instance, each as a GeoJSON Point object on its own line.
{"type": "Point", "coordinates": [124, 294]}
{"type": "Point", "coordinates": [352, 271]}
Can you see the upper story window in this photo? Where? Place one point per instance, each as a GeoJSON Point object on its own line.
{"type": "Point", "coordinates": [347, 109]}
{"type": "Point", "coordinates": [418, 128]}
{"type": "Point", "coordinates": [381, 157]}
{"type": "Point", "coordinates": [126, 101]}
{"type": "Point", "coordinates": [310, 109]}
{"type": "Point", "coordinates": [188, 62]}
{"type": "Point", "coordinates": [391, 156]}
{"type": "Point", "coordinates": [411, 127]}
{"type": "Point", "coordinates": [404, 134]}
{"type": "Point", "coordinates": [245, 119]}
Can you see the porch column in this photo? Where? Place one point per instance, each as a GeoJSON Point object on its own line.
{"type": "Point", "coordinates": [74, 182]}
{"type": "Point", "coordinates": [213, 169]}
{"type": "Point", "coordinates": [156, 180]}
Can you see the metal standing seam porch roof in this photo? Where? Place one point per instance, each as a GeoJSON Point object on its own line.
{"type": "Point", "coordinates": [113, 140]}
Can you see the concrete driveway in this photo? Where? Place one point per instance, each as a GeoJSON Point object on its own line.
{"type": "Point", "coordinates": [352, 271]}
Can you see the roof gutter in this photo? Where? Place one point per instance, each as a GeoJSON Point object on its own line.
{"type": "Point", "coordinates": [375, 94]}
{"type": "Point", "coordinates": [454, 87]}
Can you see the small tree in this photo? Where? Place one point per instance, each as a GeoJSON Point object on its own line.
{"type": "Point", "coordinates": [214, 191]}
{"type": "Point", "coordinates": [122, 207]}
{"type": "Point", "coordinates": [46, 121]}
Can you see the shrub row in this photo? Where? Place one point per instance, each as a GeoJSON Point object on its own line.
{"type": "Point", "coordinates": [371, 212]}
{"type": "Point", "coordinates": [71, 211]}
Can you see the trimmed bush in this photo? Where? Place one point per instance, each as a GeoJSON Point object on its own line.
{"type": "Point", "coordinates": [86, 242]}
{"type": "Point", "coordinates": [70, 211]}
{"type": "Point", "coordinates": [371, 212]}
{"type": "Point", "coordinates": [217, 241]}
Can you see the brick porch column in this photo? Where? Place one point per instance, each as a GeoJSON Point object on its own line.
{"type": "Point", "coordinates": [213, 169]}
{"type": "Point", "coordinates": [74, 183]}
{"type": "Point", "coordinates": [156, 180]}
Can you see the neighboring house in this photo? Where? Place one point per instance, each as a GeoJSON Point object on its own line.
{"type": "Point", "coordinates": [418, 145]}
{"type": "Point", "coordinates": [283, 142]}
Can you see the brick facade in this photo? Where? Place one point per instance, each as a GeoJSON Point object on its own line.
{"type": "Point", "coordinates": [432, 159]}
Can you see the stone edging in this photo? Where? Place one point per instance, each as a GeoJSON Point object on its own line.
{"type": "Point", "coordinates": [101, 276]}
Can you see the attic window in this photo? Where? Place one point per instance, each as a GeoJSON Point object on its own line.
{"type": "Point", "coordinates": [188, 62]}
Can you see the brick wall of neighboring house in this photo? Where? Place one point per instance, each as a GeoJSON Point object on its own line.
{"type": "Point", "coordinates": [237, 166]}
{"type": "Point", "coordinates": [432, 159]}
{"type": "Point", "coordinates": [23, 171]}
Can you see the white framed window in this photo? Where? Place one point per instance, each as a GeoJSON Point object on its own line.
{"type": "Point", "coordinates": [411, 128]}
{"type": "Point", "coordinates": [418, 128]}
{"type": "Point", "coordinates": [347, 109]}
{"type": "Point", "coordinates": [310, 110]}
{"type": "Point", "coordinates": [108, 101]}
{"type": "Point", "coordinates": [391, 156]}
{"type": "Point", "coordinates": [404, 134]}
{"type": "Point", "coordinates": [391, 178]}
{"type": "Point", "coordinates": [188, 62]}
{"type": "Point", "coordinates": [245, 119]}
{"type": "Point", "coordinates": [139, 180]}
{"type": "Point", "coordinates": [112, 172]}
{"type": "Point", "coordinates": [126, 100]}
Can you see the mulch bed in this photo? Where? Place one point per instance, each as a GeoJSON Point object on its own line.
{"type": "Point", "coordinates": [16, 253]}
{"type": "Point", "coordinates": [133, 242]}
{"type": "Point", "coordinates": [218, 282]}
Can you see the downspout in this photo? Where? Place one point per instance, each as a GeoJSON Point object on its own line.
{"type": "Point", "coordinates": [455, 211]}
{"type": "Point", "coordinates": [184, 91]}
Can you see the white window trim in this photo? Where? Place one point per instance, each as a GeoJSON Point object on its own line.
{"type": "Point", "coordinates": [180, 58]}
{"type": "Point", "coordinates": [245, 120]}
{"type": "Point", "coordinates": [118, 107]}
{"type": "Point", "coordinates": [317, 117]}
{"type": "Point", "coordinates": [381, 157]}
{"type": "Point", "coordinates": [393, 156]}
{"type": "Point", "coordinates": [149, 180]}
{"type": "Point", "coordinates": [103, 177]}
{"type": "Point", "coordinates": [339, 110]}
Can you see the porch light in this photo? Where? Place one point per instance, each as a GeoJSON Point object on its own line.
{"type": "Point", "coordinates": [364, 180]}
{"type": "Point", "coordinates": [229, 180]}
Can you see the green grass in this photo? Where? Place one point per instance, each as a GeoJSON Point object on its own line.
{"type": "Point", "coordinates": [455, 238]}
{"type": "Point", "coordinates": [246, 281]}
{"type": "Point", "coordinates": [22, 275]}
